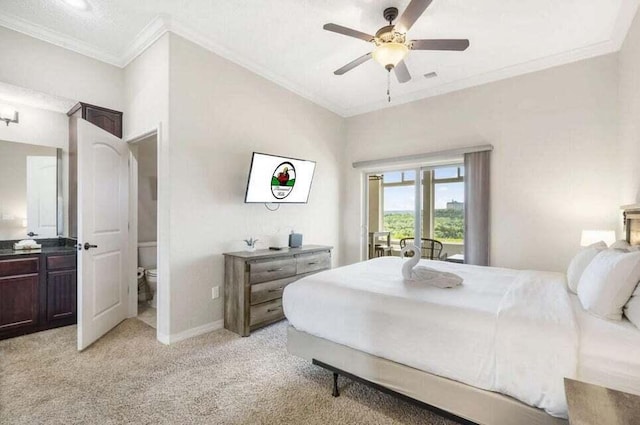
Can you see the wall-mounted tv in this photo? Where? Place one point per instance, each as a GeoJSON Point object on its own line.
{"type": "Point", "coordinates": [278, 179]}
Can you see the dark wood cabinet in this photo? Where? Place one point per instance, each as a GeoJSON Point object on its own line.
{"type": "Point", "coordinates": [37, 292]}
{"type": "Point", "coordinates": [61, 292]}
{"type": "Point", "coordinates": [18, 302]}
{"type": "Point", "coordinates": [107, 119]}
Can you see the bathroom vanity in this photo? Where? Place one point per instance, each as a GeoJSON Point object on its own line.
{"type": "Point", "coordinates": [254, 283]}
{"type": "Point", "coordinates": [37, 287]}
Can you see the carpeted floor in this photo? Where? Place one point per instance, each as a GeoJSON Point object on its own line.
{"type": "Point", "coordinates": [218, 378]}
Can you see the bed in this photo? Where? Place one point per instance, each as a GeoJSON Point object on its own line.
{"type": "Point", "coordinates": [493, 351]}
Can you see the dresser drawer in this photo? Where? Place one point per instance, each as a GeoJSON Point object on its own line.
{"type": "Point", "coordinates": [271, 270]}
{"type": "Point", "coordinates": [19, 266]}
{"type": "Point", "coordinates": [61, 262]}
{"type": "Point", "coordinates": [313, 262]}
{"type": "Point", "coordinates": [266, 312]}
{"type": "Point", "coordinates": [268, 291]}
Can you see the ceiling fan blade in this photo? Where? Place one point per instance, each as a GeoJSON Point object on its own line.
{"type": "Point", "coordinates": [414, 10]}
{"type": "Point", "coordinates": [444, 44]}
{"type": "Point", "coordinates": [348, 32]}
{"type": "Point", "coordinates": [348, 67]}
{"type": "Point", "coordinates": [402, 72]}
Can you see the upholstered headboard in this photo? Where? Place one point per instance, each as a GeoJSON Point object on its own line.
{"type": "Point", "coordinates": [632, 223]}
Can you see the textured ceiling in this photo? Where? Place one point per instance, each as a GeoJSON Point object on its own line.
{"type": "Point", "coordinates": [283, 40]}
{"type": "Point", "coordinates": [14, 96]}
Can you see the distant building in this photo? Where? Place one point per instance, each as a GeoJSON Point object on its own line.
{"type": "Point", "coordinates": [455, 205]}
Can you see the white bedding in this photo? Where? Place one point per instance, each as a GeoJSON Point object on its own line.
{"type": "Point", "coordinates": [609, 351]}
{"type": "Point", "coordinates": [489, 333]}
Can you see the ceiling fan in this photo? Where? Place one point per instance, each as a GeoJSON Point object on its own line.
{"type": "Point", "coordinates": [391, 45]}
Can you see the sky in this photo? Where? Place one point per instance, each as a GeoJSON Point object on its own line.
{"type": "Point", "coordinates": [403, 198]}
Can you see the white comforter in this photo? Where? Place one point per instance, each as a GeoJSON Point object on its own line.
{"type": "Point", "coordinates": [501, 330]}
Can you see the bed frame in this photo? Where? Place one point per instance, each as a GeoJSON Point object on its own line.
{"type": "Point", "coordinates": [454, 400]}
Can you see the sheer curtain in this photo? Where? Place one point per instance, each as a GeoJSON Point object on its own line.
{"type": "Point", "coordinates": [476, 207]}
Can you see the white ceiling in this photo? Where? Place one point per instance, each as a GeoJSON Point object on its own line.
{"type": "Point", "coordinates": [14, 96]}
{"type": "Point", "coordinates": [284, 41]}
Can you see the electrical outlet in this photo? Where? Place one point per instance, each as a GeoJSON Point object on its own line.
{"type": "Point", "coordinates": [215, 292]}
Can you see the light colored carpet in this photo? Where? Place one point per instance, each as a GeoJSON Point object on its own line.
{"type": "Point", "coordinates": [219, 378]}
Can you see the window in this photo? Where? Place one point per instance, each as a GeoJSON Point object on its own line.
{"type": "Point", "coordinates": [392, 204]}
{"type": "Point", "coordinates": [448, 204]}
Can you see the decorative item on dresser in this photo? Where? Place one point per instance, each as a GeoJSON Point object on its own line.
{"type": "Point", "coordinates": [37, 287]}
{"type": "Point", "coordinates": [254, 282]}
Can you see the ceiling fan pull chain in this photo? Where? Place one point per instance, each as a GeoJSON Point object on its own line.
{"type": "Point", "coordinates": [389, 86]}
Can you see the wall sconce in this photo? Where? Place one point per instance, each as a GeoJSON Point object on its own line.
{"type": "Point", "coordinates": [9, 114]}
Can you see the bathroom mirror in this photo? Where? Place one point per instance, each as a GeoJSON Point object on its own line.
{"type": "Point", "coordinates": [30, 191]}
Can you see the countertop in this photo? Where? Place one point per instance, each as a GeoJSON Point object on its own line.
{"type": "Point", "coordinates": [43, 250]}
{"type": "Point", "coordinates": [49, 246]}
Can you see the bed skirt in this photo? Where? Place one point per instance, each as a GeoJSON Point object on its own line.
{"type": "Point", "coordinates": [474, 404]}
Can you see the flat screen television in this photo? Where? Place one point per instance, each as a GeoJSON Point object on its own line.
{"type": "Point", "coordinates": [279, 179]}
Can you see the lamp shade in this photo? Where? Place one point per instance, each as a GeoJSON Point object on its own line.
{"type": "Point", "coordinates": [592, 236]}
{"type": "Point", "coordinates": [7, 112]}
{"type": "Point", "coordinates": [390, 54]}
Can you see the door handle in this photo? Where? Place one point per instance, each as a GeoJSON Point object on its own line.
{"type": "Point", "coordinates": [88, 246]}
{"type": "Point", "coordinates": [31, 234]}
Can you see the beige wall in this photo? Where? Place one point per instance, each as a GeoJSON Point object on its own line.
{"type": "Point", "coordinates": [147, 155]}
{"type": "Point", "coordinates": [219, 114]}
{"type": "Point", "coordinates": [554, 167]}
{"type": "Point", "coordinates": [30, 63]}
{"type": "Point", "coordinates": [629, 149]}
{"type": "Point", "coordinates": [146, 90]}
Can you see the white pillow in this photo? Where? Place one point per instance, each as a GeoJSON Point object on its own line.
{"type": "Point", "coordinates": [608, 282]}
{"type": "Point", "coordinates": [632, 308]}
{"type": "Point", "coordinates": [580, 262]}
{"type": "Point", "coordinates": [621, 244]}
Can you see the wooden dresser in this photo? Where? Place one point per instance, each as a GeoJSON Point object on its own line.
{"type": "Point", "coordinates": [254, 282]}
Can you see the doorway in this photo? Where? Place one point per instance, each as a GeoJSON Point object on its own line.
{"type": "Point", "coordinates": [144, 228]}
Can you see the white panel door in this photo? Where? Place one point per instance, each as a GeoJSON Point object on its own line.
{"type": "Point", "coordinates": [102, 232]}
{"type": "Point", "coordinates": [42, 196]}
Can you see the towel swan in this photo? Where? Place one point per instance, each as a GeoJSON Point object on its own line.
{"type": "Point", "coordinates": [422, 274]}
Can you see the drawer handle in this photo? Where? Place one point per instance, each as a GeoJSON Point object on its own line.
{"type": "Point", "coordinates": [275, 270]}
{"type": "Point", "coordinates": [276, 290]}
{"type": "Point", "coordinates": [271, 310]}
{"type": "Point", "coordinates": [312, 263]}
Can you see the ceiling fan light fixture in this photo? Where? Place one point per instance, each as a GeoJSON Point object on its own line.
{"type": "Point", "coordinates": [390, 54]}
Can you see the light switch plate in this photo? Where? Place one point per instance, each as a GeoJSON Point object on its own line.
{"type": "Point", "coordinates": [215, 292]}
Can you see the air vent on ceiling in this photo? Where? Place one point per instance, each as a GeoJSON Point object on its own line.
{"type": "Point", "coordinates": [431, 75]}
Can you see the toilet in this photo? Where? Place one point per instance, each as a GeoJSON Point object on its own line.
{"type": "Point", "coordinates": [152, 279]}
{"type": "Point", "coordinates": [147, 259]}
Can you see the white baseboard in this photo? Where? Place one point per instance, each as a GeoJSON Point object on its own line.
{"type": "Point", "coordinates": [190, 333]}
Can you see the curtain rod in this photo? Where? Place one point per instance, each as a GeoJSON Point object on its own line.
{"type": "Point", "coordinates": [421, 157]}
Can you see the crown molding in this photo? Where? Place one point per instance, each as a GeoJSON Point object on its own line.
{"type": "Point", "coordinates": [145, 38]}
{"type": "Point", "coordinates": [163, 23]}
{"type": "Point", "coordinates": [20, 25]}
